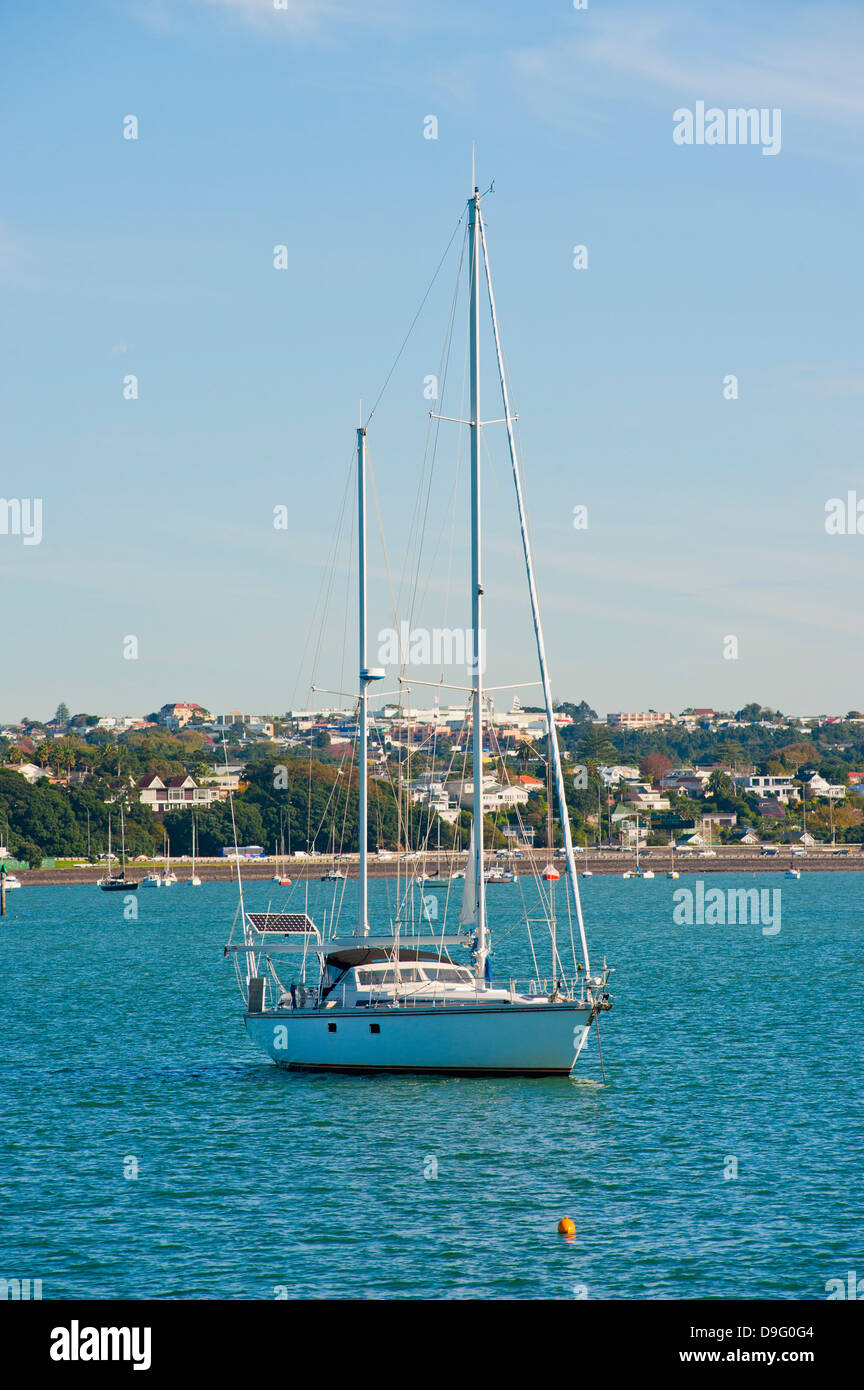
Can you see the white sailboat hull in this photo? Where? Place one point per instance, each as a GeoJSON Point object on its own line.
{"type": "Point", "coordinates": [480, 1040]}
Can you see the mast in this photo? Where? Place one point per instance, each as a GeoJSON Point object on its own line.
{"type": "Point", "coordinates": [476, 584]}
{"type": "Point", "coordinates": [535, 613]}
{"type": "Point", "coordinates": [367, 674]}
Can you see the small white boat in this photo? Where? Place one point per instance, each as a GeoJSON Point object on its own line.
{"type": "Point", "coordinates": [587, 873]}
{"type": "Point", "coordinates": [12, 881]}
{"type": "Point", "coordinates": [673, 873]}
{"type": "Point", "coordinates": [152, 881]}
{"type": "Point", "coordinates": [550, 873]}
{"type": "Point", "coordinates": [459, 874]}
{"type": "Point", "coordinates": [194, 881]}
{"type": "Point", "coordinates": [793, 873]}
{"type": "Point", "coordinates": [499, 875]}
{"type": "Point", "coordinates": [332, 875]}
{"type": "Point", "coordinates": [646, 873]}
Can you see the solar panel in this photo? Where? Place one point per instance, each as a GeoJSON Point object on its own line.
{"type": "Point", "coordinates": [281, 921]}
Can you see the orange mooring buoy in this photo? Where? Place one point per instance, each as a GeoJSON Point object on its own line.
{"type": "Point", "coordinates": [566, 1227]}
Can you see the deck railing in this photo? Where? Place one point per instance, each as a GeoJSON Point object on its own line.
{"type": "Point", "coordinates": [427, 996]}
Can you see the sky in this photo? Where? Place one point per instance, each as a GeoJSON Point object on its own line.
{"type": "Point", "coordinates": [303, 127]}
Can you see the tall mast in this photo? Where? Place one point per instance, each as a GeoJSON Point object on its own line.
{"type": "Point", "coordinates": [538, 627]}
{"type": "Point", "coordinates": [476, 583]}
{"type": "Point", "coordinates": [367, 674]}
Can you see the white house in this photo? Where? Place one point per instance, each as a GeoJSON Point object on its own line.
{"type": "Point", "coordinates": [496, 797]}
{"type": "Point", "coordinates": [31, 771]}
{"type": "Point", "coordinates": [778, 788]}
{"type": "Point", "coordinates": [830, 791]}
{"type": "Point", "coordinates": [611, 776]}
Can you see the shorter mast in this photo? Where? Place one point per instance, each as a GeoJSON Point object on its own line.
{"type": "Point", "coordinates": [367, 674]}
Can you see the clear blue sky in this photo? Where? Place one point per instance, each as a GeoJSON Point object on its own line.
{"type": "Point", "coordinates": [304, 127]}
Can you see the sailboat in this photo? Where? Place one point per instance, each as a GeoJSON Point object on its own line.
{"type": "Point", "coordinates": [194, 881]}
{"type": "Point", "coordinates": [281, 874]}
{"type": "Point", "coordinates": [169, 875]}
{"type": "Point", "coordinates": [550, 873]}
{"type": "Point", "coordinates": [673, 872]}
{"type": "Point", "coordinates": [117, 883]}
{"type": "Point", "coordinates": [394, 999]}
{"type": "Point", "coordinates": [334, 873]}
{"type": "Point", "coordinates": [436, 879]}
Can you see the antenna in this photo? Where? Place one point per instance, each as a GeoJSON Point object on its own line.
{"type": "Point", "coordinates": [473, 175]}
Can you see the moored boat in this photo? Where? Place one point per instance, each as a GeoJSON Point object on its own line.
{"type": "Point", "coordinates": [397, 1000]}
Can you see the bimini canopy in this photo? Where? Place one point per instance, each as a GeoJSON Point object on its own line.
{"type": "Point", "coordinates": [346, 960]}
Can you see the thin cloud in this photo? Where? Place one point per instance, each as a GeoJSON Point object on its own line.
{"type": "Point", "coordinates": [809, 59]}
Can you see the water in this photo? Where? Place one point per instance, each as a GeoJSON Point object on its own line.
{"type": "Point", "coordinates": [124, 1040]}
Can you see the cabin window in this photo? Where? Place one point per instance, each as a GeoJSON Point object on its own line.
{"type": "Point", "coordinates": [448, 974]}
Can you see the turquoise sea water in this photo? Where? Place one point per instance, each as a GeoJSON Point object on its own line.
{"type": "Point", "coordinates": [125, 1040]}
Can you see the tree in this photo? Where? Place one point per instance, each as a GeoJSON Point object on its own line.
{"type": "Point", "coordinates": [61, 714]}
{"type": "Point", "coordinates": [655, 766]}
{"type": "Point", "coordinates": [749, 714]}
{"type": "Point", "coordinates": [32, 853]}
{"type": "Point", "coordinates": [721, 789]}
{"type": "Point", "coordinates": [596, 746]}
{"type": "Point", "coordinates": [580, 714]}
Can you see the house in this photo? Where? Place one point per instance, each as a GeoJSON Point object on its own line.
{"type": "Point", "coordinates": [649, 719]}
{"type": "Point", "coordinates": [690, 781]}
{"type": "Point", "coordinates": [828, 791]}
{"type": "Point", "coordinates": [611, 776]}
{"type": "Point", "coordinates": [176, 794]}
{"type": "Point", "coordinates": [623, 822]}
{"type": "Point", "coordinates": [769, 809]}
{"type": "Point", "coordinates": [724, 820]}
{"type": "Point", "coordinates": [177, 716]}
{"type": "Point", "coordinates": [430, 790]}
{"type": "Point", "coordinates": [30, 771]}
{"type": "Point", "coordinates": [748, 838]}
{"type": "Point", "coordinates": [644, 798]}
{"type": "Point", "coordinates": [531, 784]}
{"type": "Point", "coordinates": [781, 788]}
{"type": "Point", "coordinates": [224, 779]}
{"type": "Point", "coordinates": [496, 797]}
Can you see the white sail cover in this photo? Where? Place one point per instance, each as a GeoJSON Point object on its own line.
{"type": "Point", "coordinates": [466, 913]}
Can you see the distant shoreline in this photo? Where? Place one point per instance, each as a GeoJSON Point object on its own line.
{"type": "Point", "coordinates": [610, 863]}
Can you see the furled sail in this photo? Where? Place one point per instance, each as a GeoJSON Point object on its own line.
{"type": "Point", "coordinates": [469, 895]}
